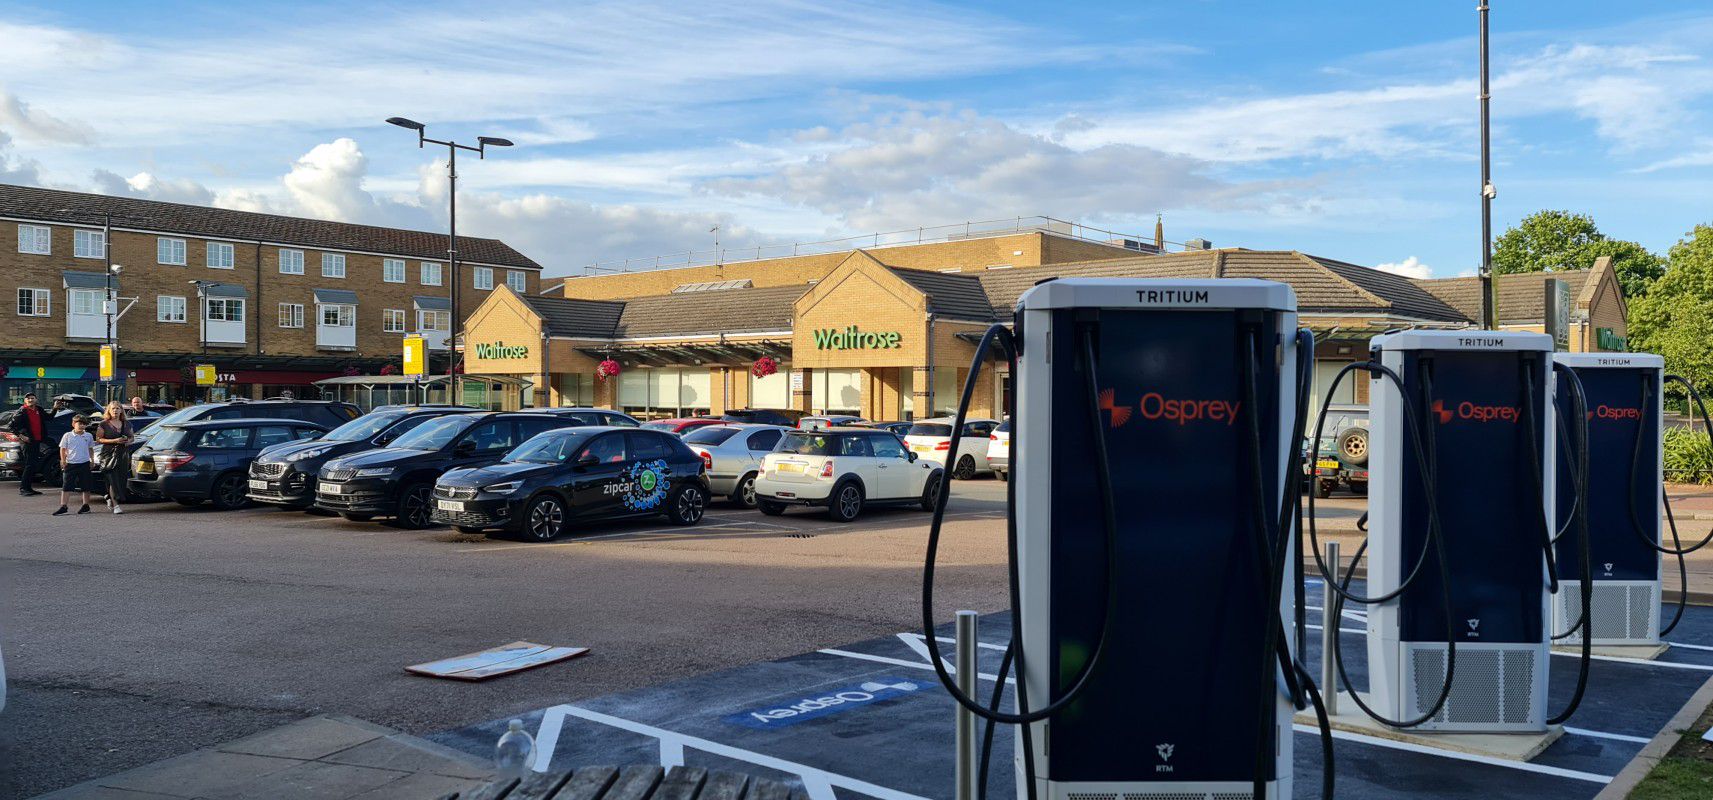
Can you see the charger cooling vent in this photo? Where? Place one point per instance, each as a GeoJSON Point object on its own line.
{"type": "Point", "coordinates": [1624, 613]}
{"type": "Point", "coordinates": [1160, 796]}
{"type": "Point", "coordinates": [1494, 687]}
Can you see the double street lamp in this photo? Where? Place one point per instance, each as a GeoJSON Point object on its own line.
{"type": "Point", "coordinates": [452, 148]}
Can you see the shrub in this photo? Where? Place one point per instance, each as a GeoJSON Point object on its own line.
{"type": "Point", "coordinates": [1688, 456]}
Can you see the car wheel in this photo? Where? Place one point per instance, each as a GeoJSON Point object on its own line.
{"type": "Point", "coordinates": [965, 469]}
{"type": "Point", "coordinates": [187, 502]}
{"type": "Point", "coordinates": [1353, 446]}
{"type": "Point", "coordinates": [1323, 489]}
{"type": "Point", "coordinates": [230, 492]}
{"type": "Point", "coordinates": [931, 492]}
{"type": "Point", "coordinates": [744, 495]}
{"type": "Point", "coordinates": [545, 519]}
{"type": "Point", "coordinates": [685, 506]}
{"type": "Point", "coordinates": [770, 507]}
{"type": "Point", "coordinates": [416, 507]}
{"type": "Point", "coordinates": [1359, 487]}
{"type": "Point", "coordinates": [356, 517]}
{"type": "Point", "coordinates": [846, 503]}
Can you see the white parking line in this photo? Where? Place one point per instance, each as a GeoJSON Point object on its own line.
{"type": "Point", "coordinates": [1433, 751]}
{"type": "Point", "coordinates": [1620, 737]}
{"type": "Point", "coordinates": [899, 662]}
{"type": "Point", "coordinates": [1690, 646]}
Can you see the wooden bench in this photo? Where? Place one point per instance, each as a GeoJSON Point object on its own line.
{"type": "Point", "coordinates": [639, 782]}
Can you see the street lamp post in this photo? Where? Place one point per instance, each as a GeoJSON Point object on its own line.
{"type": "Point", "coordinates": [110, 302]}
{"type": "Point", "coordinates": [452, 148]}
{"type": "Point", "coordinates": [1489, 302]}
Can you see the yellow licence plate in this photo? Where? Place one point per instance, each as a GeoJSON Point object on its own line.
{"type": "Point", "coordinates": [788, 467]}
{"type": "Point", "coordinates": [143, 466]}
{"type": "Point", "coordinates": [1323, 464]}
{"type": "Point", "coordinates": [921, 448]}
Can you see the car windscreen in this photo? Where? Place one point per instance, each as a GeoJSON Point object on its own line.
{"type": "Point", "coordinates": [710, 434]}
{"type": "Point", "coordinates": [809, 443]}
{"type": "Point", "coordinates": [930, 429]}
{"type": "Point", "coordinates": [362, 427]}
{"type": "Point", "coordinates": [186, 414]}
{"type": "Point", "coordinates": [661, 426]}
{"type": "Point", "coordinates": [436, 433]}
{"type": "Point", "coordinates": [556, 447]}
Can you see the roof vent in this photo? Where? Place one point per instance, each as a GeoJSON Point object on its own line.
{"type": "Point", "coordinates": [713, 286]}
{"type": "Point", "coordinates": [1198, 244]}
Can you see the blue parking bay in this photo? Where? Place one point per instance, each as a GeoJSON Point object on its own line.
{"type": "Point", "coordinates": [870, 719]}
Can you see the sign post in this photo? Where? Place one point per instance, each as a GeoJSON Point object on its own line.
{"type": "Point", "coordinates": [416, 361]}
{"type": "Point", "coordinates": [109, 355]}
{"type": "Point", "coordinates": [205, 377]}
{"type": "Point", "coordinates": [1557, 316]}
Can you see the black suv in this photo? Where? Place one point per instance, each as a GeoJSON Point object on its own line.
{"type": "Point", "coordinates": [764, 416]}
{"type": "Point", "coordinates": [593, 416]}
{"type": "Point", "coordinates": [285, 475]}
{"type": "Point", "coordinates": [581, 474]}
{"type": "Point", "coordinates": [326, 413]}
{"type": "Point", "coordinates": [398, 480]}
{"type": "Point", "coordinates": [195, 461]}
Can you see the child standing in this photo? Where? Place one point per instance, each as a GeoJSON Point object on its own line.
{"type": "Point", "coordinates": [75, 450]}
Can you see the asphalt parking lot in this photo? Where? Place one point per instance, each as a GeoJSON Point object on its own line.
{"type": "Point", "coordinates": [136, 637]}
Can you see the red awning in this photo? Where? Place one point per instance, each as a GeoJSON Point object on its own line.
{"type": "Point", "coordinates": [283, 376]}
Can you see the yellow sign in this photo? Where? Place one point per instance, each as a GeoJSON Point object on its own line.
{"type": "Point", "coordinates": [107, 359]}
{"type": "Point", "coordinates": [415, 356]}
{"type": "Point", "coordinates": [41, 372]}
{"type": "Point", "coordinates": [205, 374]}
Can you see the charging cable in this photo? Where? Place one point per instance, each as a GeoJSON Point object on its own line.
{"type": "Point", "coordinates": [1677, 549]}
{"type": "Point", "coordinates": [1579, 517]}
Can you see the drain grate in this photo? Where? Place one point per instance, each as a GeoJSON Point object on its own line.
{"type": "Point", "coordinates": [799, 535]}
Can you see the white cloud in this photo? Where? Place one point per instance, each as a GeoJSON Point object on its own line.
{"type": "Point", "coordinates": [15, 168]}
{"type": "Point", "coordinates": [33, 124]}
{"type": "Point", "coordinates": [1411, 267]}
{"type": "Point", "coordinates": [149, 187]}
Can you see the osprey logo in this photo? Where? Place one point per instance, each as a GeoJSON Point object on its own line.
{"type": "Point", "coordinates": [1479, 413]}
{"type": "Point", "coordinates": [1474, 627]}
{"type": "Point", "coordinates": [1440, 411]}
{"type": "Point", "coordinates": [1164, 750]}
{"type": "Point", "coordinates": [1155, 406]}
{"type": "Point", "coordinates": [1608, 566]}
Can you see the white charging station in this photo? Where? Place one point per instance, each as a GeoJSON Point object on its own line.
{"type": "Point", "coordinates": [1173, 707]}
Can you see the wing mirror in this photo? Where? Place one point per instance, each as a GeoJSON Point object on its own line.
{"type": "Point", "coordinates": [464, 448]}
{"type": "Point", "coordinates": [910, 455]}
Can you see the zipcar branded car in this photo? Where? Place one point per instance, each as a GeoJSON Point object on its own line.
{"type": "Point", "coordinates": [284, 475]}
{"type": "Point", "coordinates": [731, 455]}
{"type": "Point", "coordinates": [999, 450]}
{"type": "Point", "coordinates": [398, 480]}
{"type": "Point", "coordinates": [845, 470]}
{"type": "Point", "coordinates": [560, 478]}
{"type": "Point", "coordinates": [932, 439]}
{"type": "Point", "coordinates": [209, 460]}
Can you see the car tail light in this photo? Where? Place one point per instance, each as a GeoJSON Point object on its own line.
{"type": "Point", "coordinates": [945, 445]}
{"type": "Point", "coordinates": [993, 436]}
{"type": "Point", "coordinates": [172, 460]}
{"type": "Point", "coordinates": [8, 436]}
{"type": "Point", "coordinates": [827, 468]}
{"type": "Point", "coordinates": [707, 460]}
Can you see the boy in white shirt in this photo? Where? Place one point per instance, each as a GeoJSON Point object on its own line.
{"type": "Point", "coordinates": [76, 449]}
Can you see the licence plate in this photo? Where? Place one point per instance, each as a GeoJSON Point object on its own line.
{"type": "Point", "coordinates": [789, 467]}
{"type": "Point", "coordinates": [921, 448]}
{"type": "Point", "coordinates": [327, 488]}
{"type": "Point", "coordinates": [1327, 464]}
{"type": "Point", "coordinates": [144, 466]}
{"type": "Point", "coordinates": [255, 484]}
{"type": "Point", "coordinates": [449, 505]}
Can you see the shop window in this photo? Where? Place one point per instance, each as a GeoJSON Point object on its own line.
{"type": "Point", "coordinates": [1323, 375]}
{"type": "Point", "coordinates": [665, 391]}
{"type": "Point", "coordinates": [836, 391]}
{"type": "Point", "coordinates": [773, 391]}
{"type": "Point", "coordinates": [947, 391]}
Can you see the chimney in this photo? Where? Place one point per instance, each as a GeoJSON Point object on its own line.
{"type": "Point", "coordinates": [1159, 233]}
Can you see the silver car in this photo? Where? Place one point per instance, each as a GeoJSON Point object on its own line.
{"type": "Point", "coordinates": [731, 455]}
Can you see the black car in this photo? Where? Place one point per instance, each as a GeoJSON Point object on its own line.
{"type": "Point", "coordinates": [327, 414]}
{"type": "Point", "coordinates": [190, 462]}
{"type": "Point", "coordinates": [899, 428]}
{"type": "Point", "coordinates": [572, 476]}
{"type": "Point", "coordinates": [285, 475]}
{"type": "Point", "coordinates": [398, 480]}
{"type": "Point", "coordinates": [763, 416]}
{"type": "Point", "coordinates": [594, 416]}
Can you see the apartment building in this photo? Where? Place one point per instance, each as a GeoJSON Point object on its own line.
{"type": "Point", "coordinates": [273, 302]}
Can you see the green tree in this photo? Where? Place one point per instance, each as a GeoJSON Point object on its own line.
{"type": "Point", "coordinates": [1546, 241]}
{"type": "Point", "coordinates": [1674, 318]}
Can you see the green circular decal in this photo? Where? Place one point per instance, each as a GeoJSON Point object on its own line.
{"type": "Point", "coordinates": [647, 480]}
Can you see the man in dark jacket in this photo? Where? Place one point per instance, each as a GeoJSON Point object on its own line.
{"type": "Point", "coordinates": [30, 426]}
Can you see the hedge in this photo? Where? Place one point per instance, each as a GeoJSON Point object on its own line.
{"type": "Point", "coordinates": [1688, 456]}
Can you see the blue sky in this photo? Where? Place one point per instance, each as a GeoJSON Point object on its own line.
{"type": "Point", "coordinates": [1344, 129]}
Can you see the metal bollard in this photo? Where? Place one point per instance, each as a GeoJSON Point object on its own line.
{"type": "Point", "coordinates": [1329, 622]}
{"type": "Point", "coordinates": [964, 661]}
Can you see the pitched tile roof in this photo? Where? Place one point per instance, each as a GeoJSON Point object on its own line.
{"type": "Point", "coordinates": [1522, 296]}
{"type": "Point", "coordinates": [950, 294]}
{"type": "Point", "coordinates": [755, 310]}
{"type": "Point", "coordinates": [50, 205]}
{"type": "Point", "coordinates": [593, 319]}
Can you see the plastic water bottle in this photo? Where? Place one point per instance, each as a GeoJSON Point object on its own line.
{"type": "Point", "coordinates": [515, 751]}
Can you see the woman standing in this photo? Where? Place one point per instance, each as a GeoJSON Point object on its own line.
{"type": "Point", "coordinates": [114, 434]}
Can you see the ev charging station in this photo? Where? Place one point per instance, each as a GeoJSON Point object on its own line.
{"type": "Point", "coordinates": [1484, 414]}
{"type": "Point", "coordinates": [1197, 395]}
{"type": "Point", "coordinates": [1625, 412]}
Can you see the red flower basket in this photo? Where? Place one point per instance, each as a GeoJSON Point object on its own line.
{"type": "Point", "coordinates": [607, 369]}
{"type": "Point", "coordinates": [388, 369]}
{"type": "Point", "coordinates": [351, 372]}
{"type": "Point", "coordinates": [764, 367]}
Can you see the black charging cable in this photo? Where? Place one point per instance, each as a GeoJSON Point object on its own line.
{"type": "Point", "coordinates": [1526, 382]}
{"type": "Point", "coordinates": [1579, 480]}
{"type": "Point", "coordinates": [1677, 549]}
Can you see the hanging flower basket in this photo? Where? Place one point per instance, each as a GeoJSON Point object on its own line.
{"type": "Point", "coordinates": [607, 369]}
{"type": "Point", "coordinates": [764, 367]}
{"type": "Point", "coordinates": [389, 369]}
{"type": "Point", "coordinates": [352, 372]}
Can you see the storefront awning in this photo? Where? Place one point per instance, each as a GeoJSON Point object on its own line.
{"type": "Point", "coordinates": [429, 380]}
{"type": "Point", "coordinates": [433, 303]}
{"type": "Point", "coordinates": [343, 297]}
{"type": "Point", "coordinates": [87, 280]}
{"type": "Point", "coordinates": [694, 353]}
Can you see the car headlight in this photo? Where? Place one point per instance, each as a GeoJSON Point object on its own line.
{"type": "Point", "coordinates": [374, 472]}
{"type": "Point", "coordinates": [502, 488]}
{"type": "Point", "coordinates": [313, 452]}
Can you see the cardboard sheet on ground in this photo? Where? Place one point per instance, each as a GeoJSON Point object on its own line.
{"type": "Point", "coordinates": [506, 658]}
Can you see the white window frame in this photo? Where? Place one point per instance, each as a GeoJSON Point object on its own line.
{"type": "Point", "coordinates": [431, 268]}
{"type": "Point", "coordinates": [328, 261]}
{"type": "Point", "coordinates": [518, 280]}
{"type": "Point", "coordinates": [87, 243]}
{"type": "Point", "coordinates": [171, 308]}
{"type": "Point", "coordinates": [40, 239]}
{"type": "Point", "coordinates": [92, 297]}
{"type": "Point", "coordinates": [426, 316]}
{"type": "Point", "coordinates": [170, 251]}
{"type": "Point", "coordinates": [226, 306]}
{"type": "Point", "coordinates": [291, 261]}
{"type": "Point", "coordinates": [392, 320]}
{"type": "Point", "coordinates": [41, 302]}
{"type": "Point", "coordinates": [391, 267]}
{"type": "Point", "coordinates": [344, 315]}
{"type": "Point", "coordinates": [482, 277]}
{"type": "Point", "coordinates": [291, 315]}
{"type": "Point", "coordinates": [227, 252]}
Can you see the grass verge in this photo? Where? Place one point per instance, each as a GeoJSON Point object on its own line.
{"type": "Point", "coordinates": [1686, 773]}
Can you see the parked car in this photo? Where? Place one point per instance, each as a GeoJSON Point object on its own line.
{"type": "Point", "coordinates": [594, 416]}
{"type": "Point", "coordinates": [932, 439]}
{"type": "Point", "coordinates": [999, 450]}
{"type": "Point", "coordinates": [898, 428]}
{"type": "Point", "coordinates": [679, 425]}
{"type": "Point", "coordinates": [825, 421]}
{"type": "Point", "coordinates": [845, 470]}
{"type": "Point", "coordinates": [575, 475]}
{"type": "Point", "coordinates": [398, 480]}
{"type": "Point", "coordinates": [326, 413]}
{"type": "Point", "coordinates": [731, 455]}
{"type": "Point", "coordinates": [764, 416]}
{"type": "Point", "coordinates": [1344, 440]}
{"type": "Point", "coordinates": [284, 475]}
{"type": "Point", "coordinates": [190, 462]}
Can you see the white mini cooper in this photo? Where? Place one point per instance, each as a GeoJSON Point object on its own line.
{"type": "Point", "coordinates": [844, 469]}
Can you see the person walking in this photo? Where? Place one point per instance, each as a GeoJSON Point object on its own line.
{"type": "Point", "coordinates": [76, 449]}
{"type": "Point", "coordinates": [137, 406]}
{"type": "Point", "coordinates": [30, 426]}
{"type": "Point", "coordinates": [114, 434]}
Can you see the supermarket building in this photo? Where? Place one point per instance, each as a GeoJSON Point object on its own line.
{"type": "Point", "coordinates": [889, 333]}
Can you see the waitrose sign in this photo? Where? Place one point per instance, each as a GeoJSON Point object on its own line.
{"type": "Point", "coordinates": [852, 339]}
{"type": "Point", "coordinates": [501, 350]}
